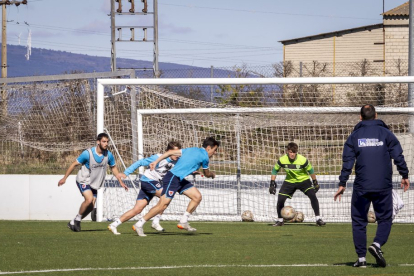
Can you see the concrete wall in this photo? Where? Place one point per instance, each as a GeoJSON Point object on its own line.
{"type": "Point", "coordinates": [38, 197]}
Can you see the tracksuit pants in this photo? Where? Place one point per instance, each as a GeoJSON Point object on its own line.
{"type": "Point", "coordinates": [382, 203]}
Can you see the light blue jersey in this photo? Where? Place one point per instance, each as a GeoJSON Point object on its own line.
{"type": "Point", "coordinates": [155, 175]}
{"type": "Point", "coordinates": [191, 160]}
{"type": "Point", "coordinates": [84, 158]}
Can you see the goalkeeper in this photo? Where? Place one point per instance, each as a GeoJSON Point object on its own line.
{"type": "Point", "coordinates": [297, 169]}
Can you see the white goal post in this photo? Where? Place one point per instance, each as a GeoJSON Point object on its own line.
{"type": "Point", "coordinates": [242, 187]}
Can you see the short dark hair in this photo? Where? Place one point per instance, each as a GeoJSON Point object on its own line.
{"type": "Point", "coordinates": [102, 135]}
{"type": "Point", "coordinates": [210, 141]}
{"type": "Point", "coordinates": [172, 144]}
{"type": "Point", "coordinates": [368, 112]}
{"type": "Point", "coordinates": [293, 147]}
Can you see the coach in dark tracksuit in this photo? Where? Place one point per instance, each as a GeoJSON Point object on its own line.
{"type": "Point", "coordinates": [373, 146]}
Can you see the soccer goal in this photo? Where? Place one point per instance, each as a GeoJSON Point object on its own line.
{"type": "Point", "coordinates": [254, 118]}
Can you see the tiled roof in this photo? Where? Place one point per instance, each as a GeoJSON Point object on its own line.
{"type": "Point", "coordinates": [403, 9]}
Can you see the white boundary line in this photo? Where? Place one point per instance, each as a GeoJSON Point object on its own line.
{"type": "Point", "coordinates": [173, 267]}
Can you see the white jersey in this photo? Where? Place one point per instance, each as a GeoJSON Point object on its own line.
{"type": "Point", "coordinates": [158, 173]}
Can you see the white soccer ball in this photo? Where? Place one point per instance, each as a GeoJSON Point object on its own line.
{"type": "Point", "coordinates": [371, 217]}
{"type": "Point", "coordinates": [288, 212]}
{"type": "Point", "coordinates": [299, 216]}
{"type": "Point", "coordinates": [247, 216]}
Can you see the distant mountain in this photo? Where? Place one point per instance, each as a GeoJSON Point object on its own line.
{"type": "Point", "coordinates": [50, 62]}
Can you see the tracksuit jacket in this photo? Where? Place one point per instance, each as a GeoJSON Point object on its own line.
{"type": "Point", "coordinates": [373, 146]}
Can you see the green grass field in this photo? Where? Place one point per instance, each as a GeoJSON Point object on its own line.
{"type": "Point", "coordinates": [49, 248]}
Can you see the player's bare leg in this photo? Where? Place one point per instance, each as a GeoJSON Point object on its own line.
{"type": "Point", "coordinates": [195, 198]}
{"type": "Point", "coordinates": [85, 208]}
{"type": "Point", "coordinates": [139, 206]}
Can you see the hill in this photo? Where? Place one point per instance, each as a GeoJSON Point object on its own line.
{"type": "Point", "coordinates": [51, 62]}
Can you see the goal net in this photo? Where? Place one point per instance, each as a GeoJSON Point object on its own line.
{"type": "Point", "coordinates": [254, 119]}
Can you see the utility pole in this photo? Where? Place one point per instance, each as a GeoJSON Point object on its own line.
{"type": "Point", "coordinates": [133, 11]}
{"type": "Point", "coordinates": [411, 62]}
{"type": "Point", "coordinates": [4, 52]}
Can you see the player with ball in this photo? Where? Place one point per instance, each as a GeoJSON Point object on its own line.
{"type": "Point", "coordinates": [298, 169]}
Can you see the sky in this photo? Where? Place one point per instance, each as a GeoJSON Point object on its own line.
{"type": "Point", "coordinates": [219, 33]}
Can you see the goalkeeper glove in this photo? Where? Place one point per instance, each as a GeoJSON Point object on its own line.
{"type": "Point", "coordinates": [316, 185]}
{"type": "Point", "coordinates": [272, 187]}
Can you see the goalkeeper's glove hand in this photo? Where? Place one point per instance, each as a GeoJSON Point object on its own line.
{"type": "Point", "coordinates": [272, 187]}
{"type": "Point", "coordinates": [316, 185]}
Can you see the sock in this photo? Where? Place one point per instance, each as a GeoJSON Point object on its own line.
{"type": "Point", "coordinates": [156, 219]}
{"type": "Point", "coordinates": [78, 217]}
{"type": "Point", "coordinates": [280, 219]}
{"type": "Point", "coordinates": [377, 244]}
{"type": "Point", "coordinates": [184, 218]}
{"type": "Point", "coordinates": [116, 223]}
{"type": "Point", "coordinates": [141, 222]}
{"type": "Point", "coordinates": [361, 259]}
{"type": "Point", "coordinates": [317, 218]}
{"type": "Point", "coordinates": [72, 222]}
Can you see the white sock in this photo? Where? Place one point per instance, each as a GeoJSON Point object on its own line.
{"type": "Point", "coordinates": [361, 259]}
{"type": "Point", "coordinates": [184, 218]}
{"type": "Point", "coordinates": [377, 244]}
{"type": "Point", "coordinates": [72, 222]}
{"type": "Point", "coordinates": [280, 219]}
{"type": "Point", "coordinates": [156, 219]}
{"type": "Point", "coordinates": [116, 223]}
{"type": "Point", "coordinates": [141, 222]}
{"type": "Point", "coordinates": [78, 217]}
{"type": "Point", "coordinates": [317, 218]}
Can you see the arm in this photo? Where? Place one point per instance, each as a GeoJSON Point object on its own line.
{"type": "Point", "coordinates": [273, 185]}
{"type": "Point", "coordinates": [396, 151]}
{"type": "Point", "coordinates": [348, 160]}
{"type": "Point", "coordinates": [163, 156]}
{"type": "Point", "coordinates": [139, 163]}
{"type": "Point", "coordinates": [208, 173]}
{"type": "Point", "coordinates": [115, 171]}
{"type": "Point", "coordinates": [68, 172]}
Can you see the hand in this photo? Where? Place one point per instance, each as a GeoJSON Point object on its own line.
{"type": "Point", "coordinates": [272, 187]}
{"type": "Point", "coordinates": [315, 185]}
{"type": "Point", "coordinates": [122, 176]}
{"type": "Point", "coordinates": [338, 193]}
{"type": "Point", "coordinates": [118, 176]}
{"type": "Point", "coordinates": [212, 175]}
{"type": "Point", "coordinates": [405, 183]}
{"type": "Point", "coordinates": [63, 180]}
{"type": "Point", "coordinates": [152, 166]}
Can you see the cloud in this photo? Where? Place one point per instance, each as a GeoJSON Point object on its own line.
{"type": "Point", "coordinates": [96, 26]}
{"type": "Point", "coordinates": [171, 28]}
{"type": "Point", "coordinates": [36, 33]}
{"type": "Point", "coordinates": [220, 35]}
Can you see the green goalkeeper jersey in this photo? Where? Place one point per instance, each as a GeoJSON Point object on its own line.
{"type": "Point", "coordinates": [297, 170]}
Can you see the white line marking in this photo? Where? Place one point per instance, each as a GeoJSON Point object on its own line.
{"type": "Point", "coordinates": [171, 267]}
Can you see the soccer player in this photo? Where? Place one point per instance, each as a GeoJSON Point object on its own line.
{"type": "Point", "coordinates": [150, 186]}
{"type": "Point", "coordinates": [372, 145]}
{"type": "Point", "coordinates": [174, 181]}
{"type": "Point", "coordinates": [297, 169]}
{"type": "Point", "coordinates": [91, 176]}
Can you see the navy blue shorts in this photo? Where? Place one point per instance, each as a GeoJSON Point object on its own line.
{"type": "Point", "coordinates": [173, 184]}
{"type": "Point", "coordinates": [148, 190]}
{"type": "Point", "coordinates": [84, 187]}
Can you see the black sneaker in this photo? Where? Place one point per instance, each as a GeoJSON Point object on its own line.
{"type": "Point", "coordinates": [77, 226]}
{"type": "Point", "coordinates": [378, 254]}
{"type": "Point", "coordinates": [71, 227]}
{"type": "Point", "coordinates": [360, 264]}
{"type": "Point", "coordinates": [279, 223]}
{"type": "Point", "coordinates": [320, 222]}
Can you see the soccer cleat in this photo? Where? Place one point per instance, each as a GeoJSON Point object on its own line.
{"type": "Point", "coordinates": [320, 222]}
{"type": "Point", "coordinates": [360, 264]}
{"type": "Point", "coordinates": [113, 229]}
{"type": "Point", "coordinates": [77, 226]}
{"type": "Point", "coordinates": [139, 230]}
{"type": "Point", "coordinates": [279, 223]}
{"type": "Point", "coordinates": [186, 226]}
{"type": "Point", "coordinates": [72, 227]}
{"type": "Point", "coordinates": [157, 227]}
{"type": "Point", "coordinates": [378, 254]}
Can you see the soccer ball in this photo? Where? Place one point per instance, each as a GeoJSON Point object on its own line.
{"type": "Point", "coordinates": [299, 216]}
{"type": "Point", "coordinates": [288, 212]}
{"type": "Point", "coordinates": [291, 220]}
{"type": "Point", "coordinates": [371, 217]}
{"type": "Point", "coordinates": [247, 216]}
